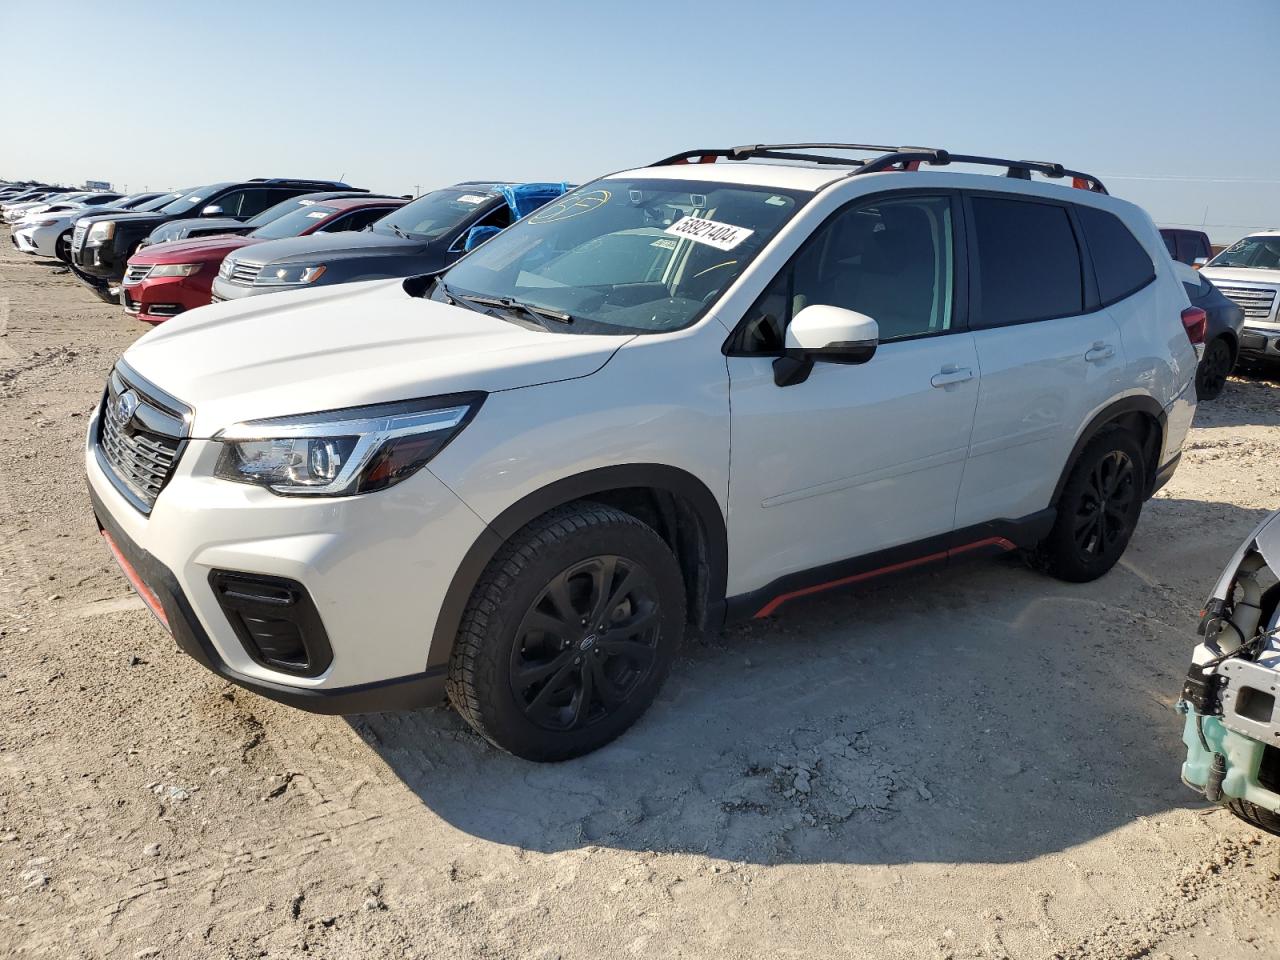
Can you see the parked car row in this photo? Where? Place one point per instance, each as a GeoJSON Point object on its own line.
{"type": "Point", "coordinates": [162, 254]}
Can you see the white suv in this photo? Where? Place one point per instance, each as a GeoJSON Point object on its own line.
{"type": "Point", "coordinates": [683, 393]}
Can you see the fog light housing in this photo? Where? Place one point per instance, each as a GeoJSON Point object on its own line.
{"type": "Point", "coordinates": [275, 620]}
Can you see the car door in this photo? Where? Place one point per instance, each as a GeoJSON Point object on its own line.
{"type": "Point", "coordinates": [1047, 363]}
{"type": "Point", "coordinates": [854, 459]}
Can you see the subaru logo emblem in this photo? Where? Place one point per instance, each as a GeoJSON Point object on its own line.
{"type": "Point", "coordinates": [126, 406]}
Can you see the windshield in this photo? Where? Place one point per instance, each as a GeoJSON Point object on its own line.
{"type": "Point", "coordinates": [434, 214]}
{"type": "Point", "coordinates": [642, 255]}
{"type": "Point", "coordinates": [279, 210]}
{"type": "Point", "coordinates": [189, 201]}
{"type": "Point", "coordinates": [156, 203]}
{"type": "Point", "coordinates": [1260, 253]}
{"type": "Point", "coordinates": [295, 223]}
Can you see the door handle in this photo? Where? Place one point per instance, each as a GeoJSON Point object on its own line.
{"type": "Point", "coordinates": [1100, 351]}
{"type": "Point", "coordinates": [950, 375]}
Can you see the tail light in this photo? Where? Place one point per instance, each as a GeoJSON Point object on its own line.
{"type": "Point", "coordinates": [1196, 322]}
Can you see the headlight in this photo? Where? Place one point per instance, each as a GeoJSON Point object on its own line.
{"type": "Point", "coordinates": [343, 452]}
{"type": "Point", "coordinates": [174, 270]}
{"type": "Point", "coordinates": [281, 276]}
{"type": "Point", "coordinates": [101, 232]}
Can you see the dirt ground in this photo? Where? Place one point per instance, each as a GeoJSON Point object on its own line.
{"type": "Point", "coordinates": [978, 762]}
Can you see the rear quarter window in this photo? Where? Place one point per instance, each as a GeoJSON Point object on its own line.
{"type": "Point", "coordinates": [1028, 262]}
{"type": "Point", "coordinates": [1120, 263]}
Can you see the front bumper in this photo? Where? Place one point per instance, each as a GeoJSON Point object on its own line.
{"type": "Point", "coordinates": [376, 566]}
{"type": "Point", "coordinates": [1260, 341]}
{"type": "Point", "coordinates": [37, 241]}
{"type": "Point", "coordinates": [158, 299]}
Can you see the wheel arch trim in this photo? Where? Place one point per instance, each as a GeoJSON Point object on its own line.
{"type": "Point", "coordinates": [1137, 403]}
{"type": "Point", "coordinates": [652, 476]}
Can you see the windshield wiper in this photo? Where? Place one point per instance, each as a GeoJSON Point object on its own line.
{"type": "Point", "coordinates": [539, 314]}
{"type": "Point", "coordinates": [398, 232]}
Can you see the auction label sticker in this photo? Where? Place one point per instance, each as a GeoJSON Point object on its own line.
{"type": "Point", "coordinates": [722, 236]}
{"type": "Point", "coordinates": [471, 198]}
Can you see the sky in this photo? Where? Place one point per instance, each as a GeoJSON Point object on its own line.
{"type": "Point", "coordinates": [1168, 101]}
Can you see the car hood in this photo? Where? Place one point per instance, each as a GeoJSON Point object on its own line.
{"type": "Point", "coordinates": [174, 228]}
{"type": "Point", "coordinates": [348, 345]}
{"type": "Point", "coordinates": [1244, 274]}
{"type": "Point", "coordinates": [198, 250]}
{"type": "Point", "coordinates": [329, 247]}
{"type": "Point", "coordinates": [133, 219]}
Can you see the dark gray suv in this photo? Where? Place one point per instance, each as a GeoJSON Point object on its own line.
{"type": "Point", "coordinates": [423, 236]}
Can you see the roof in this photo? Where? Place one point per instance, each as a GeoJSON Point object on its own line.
{"type": "Point", "coordinates": [814, 178]}
{"type": "Point", "coordinates": [355, 203]}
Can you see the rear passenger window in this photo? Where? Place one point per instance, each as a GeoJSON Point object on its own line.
{"type": "Point", "coordinates": [1119, 261]}
{"type": "Point", "coordinates": [1028, 262]}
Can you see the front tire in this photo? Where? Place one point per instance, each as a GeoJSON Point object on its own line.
{"type": "Point", "coordinates": [62, 247]}
{"type": "Point", "coordinates": [1098, 509]}
{"type": "Point", "coordinates": [1255, 815]}
{"type": "Point", "coordinates": [569, 634]}
{"type": "Point", "coordinates": [1214, 368]}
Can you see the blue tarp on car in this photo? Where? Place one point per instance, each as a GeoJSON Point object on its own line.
{"type": "Point", "coordinates": [524, 198]}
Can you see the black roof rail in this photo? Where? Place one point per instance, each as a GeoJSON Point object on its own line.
{"type": "Point", "coordinates": [891, 158]}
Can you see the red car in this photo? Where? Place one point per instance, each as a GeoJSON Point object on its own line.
{"type": "Point", "coordinates": [163, 280]}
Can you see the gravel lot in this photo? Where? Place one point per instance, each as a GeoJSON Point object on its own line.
{"type": "Point", "coordinates": [979, 762]}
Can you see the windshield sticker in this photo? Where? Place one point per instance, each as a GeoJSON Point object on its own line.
{"type": "Point", "coordinates": [195, 198]}
{"type": "Point", "coordinates": [571, 206]}
{"type": "Point", "coordinates": [664, 244]}
{"type": "Point", "coordinates": [317, 214]}
{"type": "Point", "coordinates": [777, 201]}
{"type": "Point", "coordinates": [722, 236]}
{"type": "Point", "coordinates": [471, 198]}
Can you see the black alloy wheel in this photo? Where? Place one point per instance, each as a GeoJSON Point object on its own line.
{"type": "Point", "coordinates": [1098, 509]}
{"type": "Point", "coordinates": [586, 643]}
{"type": "Point", "coordinates": [1213, 370]}
{"type": "Point", "coordinates": [1104, 513]}
{"type": "Point", "coordinates": [569, 632]}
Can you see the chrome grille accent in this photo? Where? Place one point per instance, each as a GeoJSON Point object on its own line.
{"type": "Point", "coordinates": [1258, 303]}
{"type": "Point", "coordinates": [236, 271]}
{"type": "Point", "coordinates": [141, 434]}
{"type": "Point", "coordinates": [136, 274]}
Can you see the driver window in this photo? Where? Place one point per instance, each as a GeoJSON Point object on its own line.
{"type": "Point", "coordinates": [890, 259]}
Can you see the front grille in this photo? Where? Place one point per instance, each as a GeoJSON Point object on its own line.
{"type": "Point", "coordinates": [1257, 302]}
{"type": "Point", "coordinates": [237, 272]}
{"type": "Point", "coordinates": [136, 274]}
{"type": "Point", "coordinates": [140, 447]}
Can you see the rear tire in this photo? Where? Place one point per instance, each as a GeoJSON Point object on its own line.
{"type": "Point", "coordinates": [569, 633]}
{"type": "Point", "coordinates": [1214, 368]}
{"type": "Point", "coordinates": [1098, 509]}
{"type": "Point", "coordinates": [1255, 815]}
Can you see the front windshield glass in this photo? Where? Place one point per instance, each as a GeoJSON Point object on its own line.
{"type": "Point", "coordinates": [641, 255]}
{"type": "Point", "coordinates": [278, 211]}
{"type": "Point", "coordinates": [293, 224]}
{"type": "Point", "coordinates": [157, 203]}
{"type": "Point", "coordinates": [434, 214]}
{"type": "Point", "coordinates": [189, 201]}
{"type": "Point", "coordinates": [1259, 253]}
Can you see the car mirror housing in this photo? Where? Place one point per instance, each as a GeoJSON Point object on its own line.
{"type": "Point", "coordinates": [212, 210]}
{"type": "Point", "coordinates": [824, 333]}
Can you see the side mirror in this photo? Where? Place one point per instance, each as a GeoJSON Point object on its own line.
{"type": "Point", "coordinates": [1199, 262]}
{"type": "Point", "coordinates": [212, 210]}
{"type": "Point", "coordinates": [826, 333]}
